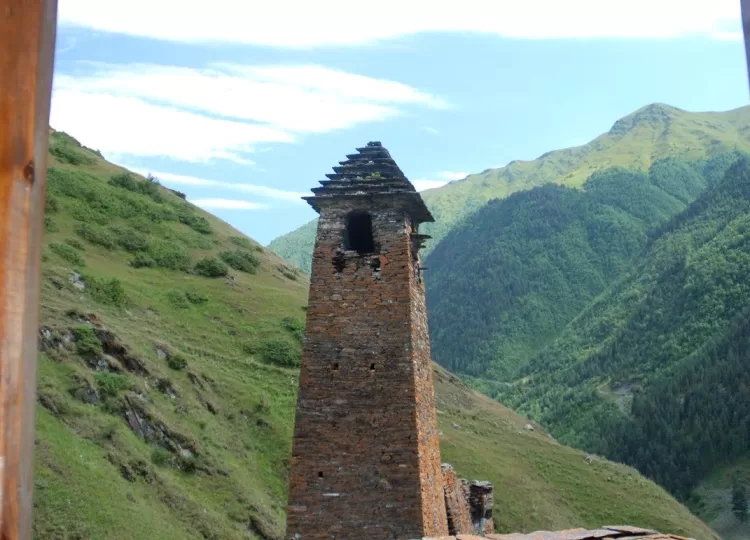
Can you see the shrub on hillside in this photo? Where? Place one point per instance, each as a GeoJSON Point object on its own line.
{"type": "Point", "coordinates": [127, 181]}
{"type": "Point", "coordinates": [87, 344]}
{"type": "Point", "coordinates": [70, 183]}
{"type": "Point", "coordinates": [49, 225]}
{"type": "Point", "coordinates": [178, 299]}
{"type": "Point", "coordinates": [169, 255]}
{"type": "Point", "coordinates": [106, 290]}
{"type": "Point", "coordinates": [129, 239]}
{"type": "Point", "coordinates": [241, 260]}
{"type": "Point", "coordinates": [96, 235]}
{"type": "Point", "coordinates": [51, 205]}
{"type": "Point", "coordinates": [211, 267]}
{"type": "Point", "coordinates": [249, 348]}
{"type": "Point", "coordinates": [195, 241]}
{"type": "Point", "coordinates": [73, 242]}
{"type": "Point", "coordinates": [142, 260]}
{"type": "Point", "coordinates": [176, 361]}
{"type": "Point", "coordinates": [68, 253]}
{"type": "Point", "coordinates": [196, 298]}
{"type": "Point", "coordinates": [197, 223]}
{"type": "Point", "coordinates": [242, 242]}
{"type": "Point", "coordinates": [110, 383]}
{"type": "Point", "coordinates": [295, 326]}
{"type": "Point", "coordinates": [187, 215]}
{"type": "Point", "coordinates": [141, 224]}
{"type": "Point", "coordinates": [160, 457]}
{"type": "Point", "coordinates": [288, 273]}
{"type": "Point", "coordinates": [280, 352]}
{"type": "Point", "coordinates": [72, 156]}
{"type": "Point", "coordinates": [124, 181]}
{"type": "Point", "coordinates": [84, 213]}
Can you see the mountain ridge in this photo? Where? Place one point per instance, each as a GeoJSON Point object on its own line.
{"type": "Point", "coordinates": [636, 140]}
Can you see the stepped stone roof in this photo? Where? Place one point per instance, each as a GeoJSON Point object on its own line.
{"type": "Point", "coordinates": [619, 532]}
{"type": "Point", "coordinates": [370, 173]}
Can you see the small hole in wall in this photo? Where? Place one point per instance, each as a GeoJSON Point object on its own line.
{"type": "Point", "coordinates": [372, 367]}
{"type": "Point", "coordinates": [336, 366]}
{"type": "Point", "coordinates": [320, 474]}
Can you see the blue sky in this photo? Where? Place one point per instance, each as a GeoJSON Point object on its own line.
{"type": "Point", "coordinates": [245, 105]}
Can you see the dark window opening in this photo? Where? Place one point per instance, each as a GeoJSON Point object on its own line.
{"type": "Point", "coordinates": [358, 234]}
{"type": "Point", "coordinates": [372, 367]}
{"type": "Point", "coordinates": [336, 366]}
{"type": "Point", "coordinates": [320, 474]}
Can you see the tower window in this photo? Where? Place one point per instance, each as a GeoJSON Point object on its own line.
{"type": "Point", "coordinates": [358, 233]}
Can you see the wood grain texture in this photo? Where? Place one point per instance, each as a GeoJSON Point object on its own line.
{"type": "Point", "coordinates": [28, 30]}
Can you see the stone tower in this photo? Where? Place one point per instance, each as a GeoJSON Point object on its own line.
{"type": "Point", "coordinates": [366, 459]}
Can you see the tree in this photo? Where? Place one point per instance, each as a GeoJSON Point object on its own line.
{"type": "Point", "coordinates": [739, 500]}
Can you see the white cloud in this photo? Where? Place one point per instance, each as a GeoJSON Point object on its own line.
{"type": "Point", "coordinates": [262, 191]}
{"type": "Point", "coordinates": [452, 175]}
{"type": "Point", "coordinates": [222, 111]}
{"type": "Point", "coordinates": [118, 125]}
{"type": "Point", "coordinates": [430, 130]}
{"type": "Point", "coordinates": [421, 184]}
{"type": "Point", "coordinates": [301, 23]}
{"type": "Point", "coordinates": [227, 204]}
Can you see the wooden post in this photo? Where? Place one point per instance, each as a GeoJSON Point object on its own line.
{"type": "Point", "coordinates": [27, 47]}
{"type": "Point", "coordinates": [745, 8]}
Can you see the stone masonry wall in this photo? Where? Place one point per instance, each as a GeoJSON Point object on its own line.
{"type": "Point", "coordinates": [430, 471]}
{"type": "Point", "coordinates": [479, 495]}
{"type": "Point", "coordinates": [365, 459]}
{"type": "Point", "coordinates": [456, 505]}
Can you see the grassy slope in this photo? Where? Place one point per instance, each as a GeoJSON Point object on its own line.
{"type": "Point", "coordinates": [234, 410]}
{"type": "Point", "coordinates": [539, 483]}
{"type": "Point", "coordinates": [636, 140]}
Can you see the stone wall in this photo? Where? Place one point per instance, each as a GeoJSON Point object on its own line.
{"type": "Point", "coordinates": [479, 497]}
{"type": "Point", "coordinates": [468, 504]}
{"type": "Point", "coordinates": [456, 503]}
{"type": "Point", "coordinates": [366, 457]}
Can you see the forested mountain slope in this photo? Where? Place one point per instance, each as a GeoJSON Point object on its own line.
{"type": "Point", "coordinates": [167, 383]}
{"type": "Point", "coordinates": [505, 282]}
{"type": "Point", "coordinates": [654, 371]}
{"type": "Point", "coordinates": [636, 141]}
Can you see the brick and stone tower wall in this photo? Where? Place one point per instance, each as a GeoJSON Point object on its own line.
{"type": "Point", "coordinates": [366, 457]}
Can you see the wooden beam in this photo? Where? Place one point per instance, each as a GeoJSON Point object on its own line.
{"type": "Point", "coordinates": [28, 31]}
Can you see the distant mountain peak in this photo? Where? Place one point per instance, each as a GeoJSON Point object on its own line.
{"type": "Point", "coordinates": [654, 115]}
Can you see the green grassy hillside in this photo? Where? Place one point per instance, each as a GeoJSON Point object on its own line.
{"type": "Point", "coordinates": [654, 372]}
{"type": "Point", "coordinates": [636, 141]}
{"type": "Point", "coordinates": [167, 383]}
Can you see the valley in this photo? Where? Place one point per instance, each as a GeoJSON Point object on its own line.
{"type": "Point", "coordinates": [168, 376]}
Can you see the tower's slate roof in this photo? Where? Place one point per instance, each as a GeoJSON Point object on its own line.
{"type": "Point", "coordinates": [371, 172]}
